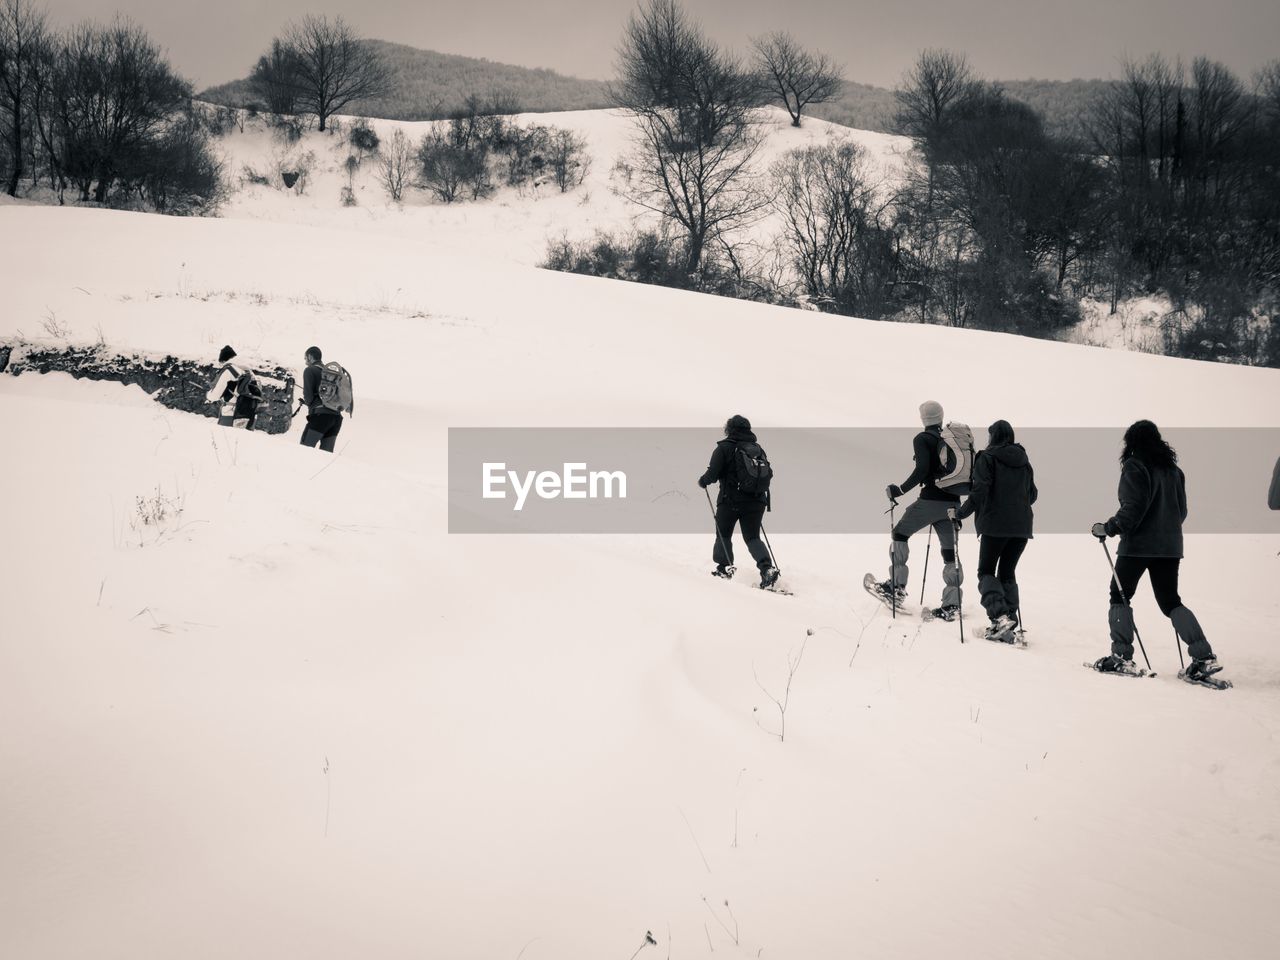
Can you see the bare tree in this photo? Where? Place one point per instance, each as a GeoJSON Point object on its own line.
{"type": "Point", "coordinates": [568, 159]}
{"type": "Point", "coordinates": [696, 131]}
{"type": "Point", "coordinates": [797, 77]}
{"type": "Point", "coordinates": [836, 231]}
{"type": "Point", "coordinates": [395, 169]}
{"type": "Point", "coordinates": [274, 78]}
{"type": "Point", "coordinates": [939, 81]}
{"type": "Point", "coordinates": [332, 66]}
{"type": "Point", "coordinates": [23, 39]}
{"type": "Point", "coordinates": [114, 93]}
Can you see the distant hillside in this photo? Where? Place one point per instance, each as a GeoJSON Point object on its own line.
{"type": "Point", "coordinates": [427, 85]}
{"type": "Point", "coordinates": [1061, 102]}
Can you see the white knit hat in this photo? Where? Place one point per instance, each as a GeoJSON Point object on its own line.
{"type": "Point", "coordinates": [931, 413]}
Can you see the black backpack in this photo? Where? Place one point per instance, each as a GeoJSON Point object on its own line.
{"type": "Point", "coordinates": [751, 464]}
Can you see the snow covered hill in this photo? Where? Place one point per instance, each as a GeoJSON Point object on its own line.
{"type": "Point", "coordinates": [515, 224]}
{"type": "Point", "coordinates": [293, 716]}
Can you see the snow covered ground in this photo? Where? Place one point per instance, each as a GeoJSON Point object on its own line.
{"type": "Point", "coordinates": [514, 224]}
{"type": "Point", "coordinates": [295, 717]}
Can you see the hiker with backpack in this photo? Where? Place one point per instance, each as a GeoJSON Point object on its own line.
{"type": "Point", "coordinates": [743, 471]}
{"type": "Point", "coordinates": [943, 464]}
{"type": "Point", "coordinates": [1153, 507]}
{"type": "Point", "coordinates": [326, 393]}
{"type": "Point", "coordinates": [1002, 490]}
{"type": "Point", "coordinates": [238, 390]}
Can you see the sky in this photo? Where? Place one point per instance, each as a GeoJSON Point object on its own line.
{"type": "Point", "coordinates": [1004, 39]}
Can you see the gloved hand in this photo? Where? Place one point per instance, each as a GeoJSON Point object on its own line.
{"type": "Point", "coordinates": [893, 491]}
{"type": "Point", "coordinates": [702, 483]}
{"type": "Point", "coordinates": [1100, 531]}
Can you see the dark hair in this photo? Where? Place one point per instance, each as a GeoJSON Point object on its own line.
{"type": "Point", "coordinates": [315, 352]}
{"type": "Point", "coordinates": [226, 353]}
{"type": "Point", "coordinates": [1143, 440]}
{"type": "Point", "coordinates": [737, 424]}
{"type": "Point", "coordinates": [1000, 432]}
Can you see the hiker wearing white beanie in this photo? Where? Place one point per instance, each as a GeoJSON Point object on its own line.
{"type": "Point", "coordinates": [943, 461]}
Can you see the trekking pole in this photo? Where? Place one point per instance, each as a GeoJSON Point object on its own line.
{"type": "Point", "coordinates": [893, 566]}
{"type": "Point", "coordinates": [1116, 580]}
{"type": "Point", "coordinates": [723, 546]}
{"type": "Point", "coordinates": [925, 576]}
{"type": "Point", "coordinates": [955, 528]}
{"type": "Point", "coordinates": [769, 546]}
{"type": "Point", "coordinates": [1177, 642]}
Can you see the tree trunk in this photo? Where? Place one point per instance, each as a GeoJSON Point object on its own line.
{"type": "Point", "coordinates": [16, 144]}
{"type": "Point", "coordinates": [694, 259]}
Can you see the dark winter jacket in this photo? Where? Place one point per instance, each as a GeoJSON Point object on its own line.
{"type": "Point", "coordinates": [1003, 488]}
{"type": "Point", "coordinates": [927, 448]}
{"type": "Point", "coordinates": [1153, 506]}
{"type": "Point", "coordinates": [724, 468]}
{"type": "Point", "coordinates": [1273, 497]}
{"type": "Point", "coordinates": [311, 391]}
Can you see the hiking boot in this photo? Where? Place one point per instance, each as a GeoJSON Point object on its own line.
{"type": "Point", "coordinates": [948, 612]}
{"type": "Point", "coordinates": [723, 571]}
{"type": "Point", "coordinates": [1113, 664]}
{"type": "Point", "coordinates": [1199, 669]}
{"type": "Point", "coordinates": [1002, 628]}
{"type": "Point", "coordinates": [887, 590]}
{"type": "Point", "coordinates": [769, 576]}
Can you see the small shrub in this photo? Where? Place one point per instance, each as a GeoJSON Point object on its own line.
{"type": "Point", "coordinates": [450, 169]}
{"type": "Point", "coordinates": [568, 159]}
{"type": "Point", "coordinates": [396, 166]}
{"type": "Point", "coordinates": [286, 128]}
{"type": "Point", "coordinates": [249, 175]}
{"type": "Point", "coordinates": [363, 137]}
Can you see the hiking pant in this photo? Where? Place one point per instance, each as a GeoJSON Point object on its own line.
{"type": "Point", "coordinates": [322, 428]}
{"type": "Point", "coordinates": [921, 514]}
{"type": "Point", "coordinates": [233, 421]}
{"type": "Point", "coordinates": [750, 514]}
{"type": "Point", "coordinates": [997, 561]}
{"type": "Point", "coordinates": [1164, 583]}
{"type": "Point", "coordinates": [240, 412]}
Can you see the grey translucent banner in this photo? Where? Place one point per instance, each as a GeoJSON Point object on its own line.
{"type": "Point", "coordinates": [644, 480]}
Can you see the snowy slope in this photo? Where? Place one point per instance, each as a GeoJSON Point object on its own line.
{"type": "Point", "coordinates": [300, 719]}
{"type": "Point", "coordinates": [515, 224]}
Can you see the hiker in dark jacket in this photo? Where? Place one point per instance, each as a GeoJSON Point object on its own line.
{"type": "Point", "coordinates": [1002, 490]}
{"type": "Point", "coordinates": [932, 508]}
{"type": "Point", "coordinates": [1153, 506]}
{"type": "Point", "coordinates": [237, 391]}
{"type": "Point", "coordinates": [734, 506]}
{"type": "Point", "coordinates": [323, 423]}
{"type": "Point", "coordinates": [1273, 496]}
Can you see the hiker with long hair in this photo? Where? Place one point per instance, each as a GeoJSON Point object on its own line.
{"type": "Point", "coordinates": [1153, 507]}
{"type": "Point", "coordinates": [1002, 490]}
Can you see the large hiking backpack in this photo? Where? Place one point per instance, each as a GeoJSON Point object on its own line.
{"type": "Point", "coordinates": [242, 384]}
{"type": "Point", "coordinates": [334, 390]}
{"type": "Point", "coordinates": [955, 456]}
{"type": "Point", "coordinates": [751, 464]}
{"type": "Point", "coordinates": [248, 385]}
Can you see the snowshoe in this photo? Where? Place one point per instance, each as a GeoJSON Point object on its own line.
{"type": "Point", "coordinates": [1117, 666]}
{"type": "Point", "coordinates": [724, 572]}
{"type": "Point", "coordinates": [884, 592]}
{"type": "Point", "coordinates": [1003, 630]}
{"type": "Point", "coordinates": [768, 577]}
{"type": "Point", "coordinates": [946, 612]}
{"type": "Point", "coordinates": [1202, 672]}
